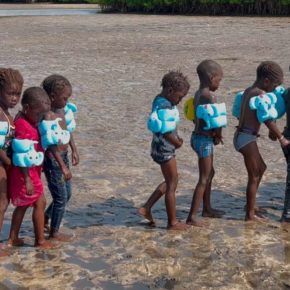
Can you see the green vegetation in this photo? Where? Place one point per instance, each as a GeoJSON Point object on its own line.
{"type": "Point", "coordinates": [205, 7]}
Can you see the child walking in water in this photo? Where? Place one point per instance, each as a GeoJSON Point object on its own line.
{"type": "Point", "coordinates": [286, 150]}
{"type": "Point", "coordinates": [202, 142]}
{"type": "Point", "coordinates": [11, 83]}
{"type": "Point", "coordinates": [56, 162]}
{"type": "Point", "coordinates": [269, 76]}
{"type": "Point", "coordinates": [25, 185]}
{"type": "Point", "coordinates": [174, 87]}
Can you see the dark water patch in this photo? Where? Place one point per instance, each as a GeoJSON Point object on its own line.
{"type": "Point", "coordinates": [8, 285]}
{"type": "Point", "coordinates": [83, 284]}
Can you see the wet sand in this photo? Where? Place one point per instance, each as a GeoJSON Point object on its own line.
{"type": "Point", "coordinates": [115, 63]}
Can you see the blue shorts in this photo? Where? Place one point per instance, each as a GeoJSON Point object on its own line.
{"type": "Point", "coordinates": [202, 145]}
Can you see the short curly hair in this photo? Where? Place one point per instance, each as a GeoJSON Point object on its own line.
{"type": "Point", "coordinates": [175, 80]}
{"type": "Point", "coordinates": [270, 70]}
{"type": "Point", "coordinates": [9, 76]}
{"type": "Point", "coordinates": [208, 68]}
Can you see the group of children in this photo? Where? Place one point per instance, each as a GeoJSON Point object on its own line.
{"type": "Point", "coordinates": [175, 87]}
{"type": "Point", "coordinates": [22, 184]}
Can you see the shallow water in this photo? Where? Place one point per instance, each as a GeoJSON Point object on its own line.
{"type": "Point", "coordinates": [115, 63]}
{"type": "Point", "coordinates": [46, 12]}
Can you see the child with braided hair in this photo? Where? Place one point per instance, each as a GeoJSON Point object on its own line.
{"type": "Point", "coordinates": [56, 163]}
{"type": "Point", "coordinates": [11, 83]}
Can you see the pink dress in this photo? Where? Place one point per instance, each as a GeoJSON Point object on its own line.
{"type": "Point", "coordinates": [17, 187]}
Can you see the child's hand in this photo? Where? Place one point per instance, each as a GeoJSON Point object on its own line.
{"type": "Point", "coordinates": [66, 173]}
{"type": "Point", "coordinates": [29, 187]}
{"type": "Point", "coordinates": [179, 143]}
{"type": "Point", "coordinates": [272, 136]}
{"type": "Point", "coordinates": [75, 159]}
{"type": "Point", "coordinates": [284, 142]}
{"type": "Point", "coordinates": [218, 140]}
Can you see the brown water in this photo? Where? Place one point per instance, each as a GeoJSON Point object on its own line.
{"type": "Point", "coordinates": [115, 63]}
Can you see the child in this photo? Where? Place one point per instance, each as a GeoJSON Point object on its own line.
{"type": "Point", "coordinates": [25, 186]}
{"type": "Point", "coordinates": [286, 211]}
{"type": "Point", "coordinates": [56, 163]}
{"type": "Point", "coordinates": [202, 142]}
{"type": "Point", "coordinates": [269, 76]}
{"type": "Point", "coordinates": [174, 87]}
{"type": "Point", "coordinates": [11, 83]}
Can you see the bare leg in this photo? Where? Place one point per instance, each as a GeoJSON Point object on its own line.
{"type": "Point", "coordinates": [3, 195]}
{"type": "Point", "coordinates": [255, 167]}
{"type": "Point", "coordinates": [145, 210]}
{"type": "Point", "coordinates": [207, 210]}
{"type": "Point", "coordinates": [169, 171]}
{"type": "Point", "coordinates": [38, 223]}
{"type": "Point", "coordinates": [16, 222]}
{"type": "Point", "coordinates": [205, 166]}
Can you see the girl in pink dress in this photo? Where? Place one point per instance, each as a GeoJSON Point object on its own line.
{"type": "Point", "coordinates": [25, 186]}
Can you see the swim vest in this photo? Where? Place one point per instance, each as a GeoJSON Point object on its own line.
{"type": "Point", "coordinates": [52, 134]}
{"type": "Point", "coordinates": [69, 111]}
{"type": "Point", "coordinates": [264, 105]}
{"type": "Point", "coordinates": [163, 120]}
{"type": "Point", "coordinates": [188, 109]}
{"type": "Point", "coordinates": [214, 115]}
{"type": "Point", "coordinates": [24, 153]}
{"type": "Point", "coordinates": [236, 109]}
{"type": "Point", "coordinates": [279, 105]}
{"type": "Point", "coordinates": [4, 127]}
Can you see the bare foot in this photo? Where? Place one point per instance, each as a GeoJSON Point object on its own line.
{"type": "Point", "coordinates": [213, 213]}
{"type": "Point", "coordinates": [178, 227]}
{"type": "Point", "coordinates": [60, 237]}
{"type": "Point", "coordinates": [16, 242]}
{"type": "Point", "coordinates": [143, 211]}
{"type": "Point", "coordinates": [195, 222]}
{"type": "Point", "coordinates": [45, 244]}
{"type": "Point", "coordinates": [256, 218]}
{"type": "Point", "coordinates": [258, 210]}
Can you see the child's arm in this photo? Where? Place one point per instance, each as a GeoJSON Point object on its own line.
{"type": "Point", "coordinates": [4, 158]}
{"type": "Point", "coordinates": [75, 155]}
{"type": "Point", "coordinates": [276, 132]}
{"type": "Point", "coordinates": [173, 139]}
{"type": "Point", "coordinates": [218, 138]}
{"type": "Point", "coordinates": [27, 180]}
{"type": "Point", "coordinates": [65, 171]}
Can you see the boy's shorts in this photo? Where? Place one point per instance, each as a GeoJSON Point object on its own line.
{"type": "Point", "coordinates": [202, 145]}
{"type": "Point", "coordinates": [161, 149]}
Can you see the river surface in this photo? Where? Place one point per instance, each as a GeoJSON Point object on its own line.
{"type": "Point", "coordinates": [115, 63]}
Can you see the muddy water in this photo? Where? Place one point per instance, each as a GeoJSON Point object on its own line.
{"type": "Point", "coordinates": [115, 63]}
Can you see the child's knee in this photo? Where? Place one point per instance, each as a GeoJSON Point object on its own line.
{"type": "Point", "coordinates": [4, 205]}
{"type": "Point", "coordinates": [263, 169]}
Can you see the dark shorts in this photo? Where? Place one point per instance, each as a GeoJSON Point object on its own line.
{"type": "Point", "coordinates": [202, 145]}
{"type": "Point", "coordinates": [161, 150]}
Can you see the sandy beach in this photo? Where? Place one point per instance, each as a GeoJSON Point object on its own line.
{"type": "Point", "coordinates": [115, 63]}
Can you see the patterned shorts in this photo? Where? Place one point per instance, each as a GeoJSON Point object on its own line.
{"type": "Point", "coordinates": [202, 145]}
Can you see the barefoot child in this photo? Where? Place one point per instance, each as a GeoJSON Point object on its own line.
{"type": "Point", "coordinates": [269, 76]}
{"type": "Point", "coordinates": [174, 87]}
{"type": "Point", "coordinates": [56, 162]}
{"type": "Point", "coordinates": [25, 185]}
{"type": "Point", "coordinates": [202, 142]}
{"type": "Point", "coordinates": [11, 83]}
{"type": "Point", "coordinates": [286, 210]}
